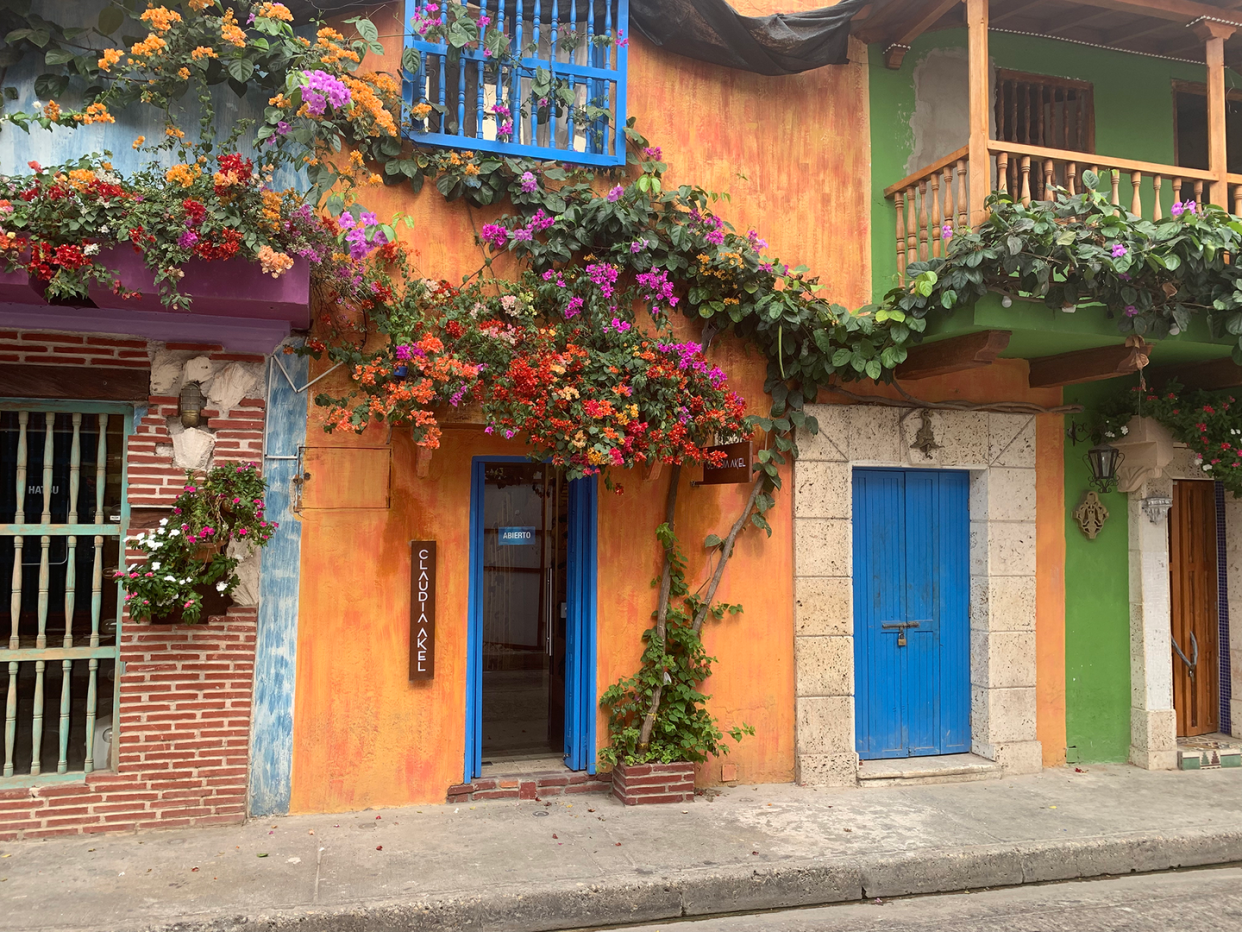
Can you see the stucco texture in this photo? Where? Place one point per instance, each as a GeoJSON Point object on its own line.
{"type": "Point", "coordinates": [794, 154]}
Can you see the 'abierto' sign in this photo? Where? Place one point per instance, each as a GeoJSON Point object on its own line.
{"type": "Point", "coordinates": [422, 609]}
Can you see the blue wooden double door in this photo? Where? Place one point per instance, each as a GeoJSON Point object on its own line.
{"type": "Point", "coordinates": [911, 612]}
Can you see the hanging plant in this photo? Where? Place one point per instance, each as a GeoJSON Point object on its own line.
{"type": "Point", "coordinates": [1209, 423]}
{"type": "Point", "coordinates": [188, 556]}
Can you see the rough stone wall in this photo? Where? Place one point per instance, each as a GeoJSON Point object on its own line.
{"type": "Point", "coordinates": [999, 451]}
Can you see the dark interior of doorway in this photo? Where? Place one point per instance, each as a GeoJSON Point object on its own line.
{"type": "Point", "coordinates": [525, 561]}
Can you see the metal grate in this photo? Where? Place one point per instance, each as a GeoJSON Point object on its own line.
{"type": "Point", "coordinates": [473, 95]}
{"type": "Point", "coordinates": [1038, 110]}
{"type": "Point", "coordinates": [62, 522]}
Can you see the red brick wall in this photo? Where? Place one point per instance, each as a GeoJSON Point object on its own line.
{"type": "Point", "coordinates": [183, 723]}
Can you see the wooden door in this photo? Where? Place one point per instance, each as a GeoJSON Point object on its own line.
{"type": "Point", "coordinates": [1192, 573]}
{"type": "Point", "coordinates": [911, 612]}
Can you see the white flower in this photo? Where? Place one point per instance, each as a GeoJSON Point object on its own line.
{"type": "Point", "coordinates": [1207, 467]}
{"type": "Point", "coordinates": [153, 545]}
{"type": "Point", "coordinates": [1109, 433]}
{"type": "Point", "coordinates": [38, 105]}
{"type": "Point", "coordinates": [174, 533]}
{"type": "Point", "coordinates": [156, 565]}
{"type": "Point", "coordinates": [221, 586]}
{"type": "Point", "coordinates": [1124, 430]}
{"type": "Point", "coordinates": [139, 537]}
{"type": "Point", "coordinates": [91, 249]}
{"type": "Point", "coordinates": [185, 582]}
{"type": "Point", "coordinates": [163, 522]}
{"type": "Point", "coordinates": [170, 579]}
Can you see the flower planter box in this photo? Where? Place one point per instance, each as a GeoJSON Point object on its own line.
{"type": "Point", "coordinates": [230, 288]}
{"type": "Point", "coordinates": [18, 288]}
{"type": "Point", "coordinates": [641, 784]}
{"type": "Point", "coordinates": [463, 416]}
{"type": "Point", "coordinates": [214, 603]}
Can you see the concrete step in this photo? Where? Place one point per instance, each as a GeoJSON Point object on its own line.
{"type": "Point", "coordinates": [924, 771]}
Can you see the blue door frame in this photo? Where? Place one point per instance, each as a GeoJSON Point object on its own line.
{"type": "Point", "coordinates": [580, 624]}
{"type": "Point", "coordinates": [911, 612]}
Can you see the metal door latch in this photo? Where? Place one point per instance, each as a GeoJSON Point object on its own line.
{"type": "Point", "coordinates": [901, 629]}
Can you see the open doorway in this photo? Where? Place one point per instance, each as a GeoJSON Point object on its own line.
{"type": "Point", "coordinates": [524, 580]}
{"type": "Point", "coordinates": [1193, 594]}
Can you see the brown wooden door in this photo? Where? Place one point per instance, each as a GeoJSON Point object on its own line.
{"type": "Point", "coordinates": [1192, 571]}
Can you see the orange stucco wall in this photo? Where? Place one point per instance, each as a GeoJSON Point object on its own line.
{"type": "Point", "coordinates": [794, 154]}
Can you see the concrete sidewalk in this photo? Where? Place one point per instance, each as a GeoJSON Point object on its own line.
{"type": "Point", "coordinates": [508, 866]}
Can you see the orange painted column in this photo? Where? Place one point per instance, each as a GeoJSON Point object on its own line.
{"type": "Point", "coordinates": [1050, 586]}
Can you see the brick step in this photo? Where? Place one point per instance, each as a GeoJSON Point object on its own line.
{"type": "Point", "coordinates": [536, 785]}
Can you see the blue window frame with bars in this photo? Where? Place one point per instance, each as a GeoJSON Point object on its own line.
{"type": "Point", "coordinates": [544, 79]}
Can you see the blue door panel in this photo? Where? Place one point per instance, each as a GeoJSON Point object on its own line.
{"type": "Point", "coordinates": [911, 567]}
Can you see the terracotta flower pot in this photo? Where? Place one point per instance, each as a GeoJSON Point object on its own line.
{"type": "Point", "coordinates": [209, 551]}
{"type": "Point", "coordinates": [641, 784]}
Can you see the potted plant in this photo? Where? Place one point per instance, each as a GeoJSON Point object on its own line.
{"type": "Point", "coordinates": [190, 572]}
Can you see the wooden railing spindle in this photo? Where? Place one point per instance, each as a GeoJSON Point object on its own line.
{"type": "Point", "coordinates": [923, 253]}
{"type": "Point", "coordinates": [1002, 172]}
{"type": "Point", "coordinates": [912, 226]}
{"type": "Point", "coordinates": [1046, 193]}
{"type": "Point", "coordinates": [1136, 200]}
{"type": "Point", "coordinates": [963, 205]}
{"type": "Point", "coordinates": [935, 216]}
{"type": "Point", "coordinates": [1071, 178]}
{"type": "Point", "coordinates": [899, 199]}
{"type": "Point", "coordinates": [1026, 181]}
{"type": "Point", "coordinates": [1157, 212]}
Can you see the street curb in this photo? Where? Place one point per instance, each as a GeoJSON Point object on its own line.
{"type": "Point", "coordinates": [703, 892]}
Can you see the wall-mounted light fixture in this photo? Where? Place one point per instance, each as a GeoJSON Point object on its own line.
{"type": "Point", "coordinates": [1104, 458]}
{"type": "Point", "coordinates": [190, 405]}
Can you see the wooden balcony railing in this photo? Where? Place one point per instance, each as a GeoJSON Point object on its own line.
{"type": "Point", "coordinates": [933, 204]}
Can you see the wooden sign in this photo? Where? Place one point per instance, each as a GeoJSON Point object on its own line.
{"type": "Point", "coordinates": [422, 609]}
{"type": "Point", "coordinates": [736, 468]}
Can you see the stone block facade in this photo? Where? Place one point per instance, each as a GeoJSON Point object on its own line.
{"type": "Point", "coordinates": [182, 723]}
{"type": "Point", "coordinates": [999, 452]}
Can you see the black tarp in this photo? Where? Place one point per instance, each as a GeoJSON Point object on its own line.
{"type": "Point", "coordinates": [711, 31]}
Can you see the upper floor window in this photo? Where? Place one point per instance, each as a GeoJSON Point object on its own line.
{"type": "Point", "coordinates": [1190, 126]}
{"type": "Point", "coordinates": [1038, 110]}
{"type": "Point", "coordinates": [538, 78]}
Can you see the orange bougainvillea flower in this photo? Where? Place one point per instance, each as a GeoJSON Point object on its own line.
{"type": "Point", "coordinates": [160, 18]}
{"type": "Point", "coordinates": [202, 52]}
{"type": "Point", "coordinates": [109, 58]}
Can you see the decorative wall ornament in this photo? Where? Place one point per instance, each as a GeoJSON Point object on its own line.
{"type": "Point", "coordinates": [1091, 515]}
{"type": "Point", "coordinates": [1156, 507]}
{"type": "Point", "coordinates": [925, 439]}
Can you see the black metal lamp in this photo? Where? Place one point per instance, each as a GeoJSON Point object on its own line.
{"type": "Point", "coordinates": [1104, 458]}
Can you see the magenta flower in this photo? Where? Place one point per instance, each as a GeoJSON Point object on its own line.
{"type": "Point", "coordinates": [1119, 250]}
{"type": "Point", "coordinates": [615, 194]}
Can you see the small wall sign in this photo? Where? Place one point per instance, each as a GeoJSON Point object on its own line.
{"type": "Point", "coordinates": [422, 609]}
{"type": "Point", "coordinates": [736, 467]}
{"type": "Point", "coordinates": [515, 536]}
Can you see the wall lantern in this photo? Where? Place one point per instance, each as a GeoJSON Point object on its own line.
{"type": "Point", "coordinates": [1104, 458]}
{"type": "Point", "coordinates": [190, 405]}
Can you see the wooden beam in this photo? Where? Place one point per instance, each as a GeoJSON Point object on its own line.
{"type": "Point", "coordinates": [1214, 35]}
{"type": "Point", "coordinates": [980, 107]}
{"type": "Point", "coordinates": [920, 20]}
{"type": "Point", "coordinates": [77, 382]}
{"type": "Point", "coordinates": [1209, 376]}
{"type": "Point", "coordinates": [1089, 365]}
{"type": "Point", "coordinates": [1176, 11]}
{"type": "Point", "coordinates": [969, 351]}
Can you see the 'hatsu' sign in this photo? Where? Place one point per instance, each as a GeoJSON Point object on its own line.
{"type": "Point", "coordinates": [422, 609]}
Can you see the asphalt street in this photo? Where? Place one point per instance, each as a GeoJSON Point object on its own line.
{"type": "Point", "coordinates": [1204, 900]}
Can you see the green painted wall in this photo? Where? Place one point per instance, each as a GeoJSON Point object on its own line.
{"type": "Point", "coordinates": [1097, 609]}
{"type": "Point", "coordinates": [1133, 112]}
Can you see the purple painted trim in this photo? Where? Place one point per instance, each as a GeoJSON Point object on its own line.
{"type": "Point", "coordinates": [231, 288]}
{"type": "Point", "coordinates": [16, 286]}
{"type": "Point", "coordinates": [1222, 611]}
{"type": "Point", "coordinates": [233, 333]}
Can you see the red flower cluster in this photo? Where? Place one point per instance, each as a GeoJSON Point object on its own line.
{"type": "Point", "coordinates": [225, 248]}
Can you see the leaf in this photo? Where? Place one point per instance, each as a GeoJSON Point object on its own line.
{"type": "Point", "coordinates": [111, 18]}
{"type": "Point", "coordinates": [712, 541]}
{"type": "Point", "coordinates": [48, 86]}
{"type": "Point", "coordinates": [241, 70]}
{"type": "Point", "coordinates": [367, 30]}
{"type": "Point", "coordinates": [411, 60]}
{"type": "Point", "coordinates": [57, 56]}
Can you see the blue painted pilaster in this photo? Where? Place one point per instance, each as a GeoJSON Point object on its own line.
{"type": "Point", "coordinates": [275, 667]}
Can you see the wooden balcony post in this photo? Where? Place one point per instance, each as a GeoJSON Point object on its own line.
{"type": "Point", "coordinates": [980, 108]}
{"type": "Point", "coordinates": [1214, 35]}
